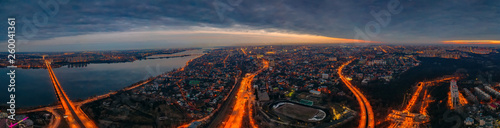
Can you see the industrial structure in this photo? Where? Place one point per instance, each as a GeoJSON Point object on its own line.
{"type": "Point", "coordinates": [455, 101]}
{"type": "Point", "coordinates": [471, 96]}
{"type": "Point", "coordinates": [407, 119]}
{"type": "Point", "coordinates": [481, 95]}
{"type": "Point", "coordinates": [492, 91]}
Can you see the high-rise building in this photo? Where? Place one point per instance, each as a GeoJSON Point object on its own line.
{"type": "Point", "coordinates": [454, 94]}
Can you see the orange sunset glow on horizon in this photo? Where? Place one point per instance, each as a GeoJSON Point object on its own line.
{"type": "Point", "coordinates": [471, 42]}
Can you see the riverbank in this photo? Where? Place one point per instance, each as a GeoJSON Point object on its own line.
{"type": "Point", "coordinates": [99, 97]}
{"type": "Point", "coordinates": [35, 88]}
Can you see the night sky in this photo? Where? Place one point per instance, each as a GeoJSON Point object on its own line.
{"type": "Point", "coordinates": [131, 24]}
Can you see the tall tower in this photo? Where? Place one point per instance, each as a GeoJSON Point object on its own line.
{"type": "Point", "coordinates": [454, 94]}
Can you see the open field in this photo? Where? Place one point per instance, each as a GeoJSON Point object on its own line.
{"type": "Point", "coordinates": [300, 112]}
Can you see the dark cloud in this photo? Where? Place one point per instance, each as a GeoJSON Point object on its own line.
{"type": "Point", "coordinates": [420, 20]}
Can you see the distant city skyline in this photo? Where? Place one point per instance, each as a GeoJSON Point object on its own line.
{"type": "Point", "coordinates": [116, 25]}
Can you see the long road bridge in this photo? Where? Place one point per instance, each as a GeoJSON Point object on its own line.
{"type": "Point", "coordinates": [75, 117]}
{"type": "Point", "coordinates": [367, 117]}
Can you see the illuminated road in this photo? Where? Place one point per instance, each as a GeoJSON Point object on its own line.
{"type": "Point", "coordinates": [57, 117]}
{"type": "Point", "coordinates": [76, 118]}
{"type": "Point", "coordinates": [414, 97]}
{"type": "Point", "coordinates": [382, 49]}
{"type": "Point", "coordinates": [52, 109]}
{"type": "Point", "coordinates": [244, 102]}
{"type": "Point", "coordinates": [244, 52]}
{"type": "Point", "coordinates": [367, 117]}
{"type": "Point", "coordinates": [206, 118]}
{"type": "Point", "coordinates": [408, 121]}
{"type": "Point", "coordinates": [92, 99]}
{"type": "Point", "coordinates": [225, 60]}
{"type": "Point", "coordinates": [54, 122]}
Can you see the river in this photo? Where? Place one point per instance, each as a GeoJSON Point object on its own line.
{"type": "Point", "coordinates": [34, 88]}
